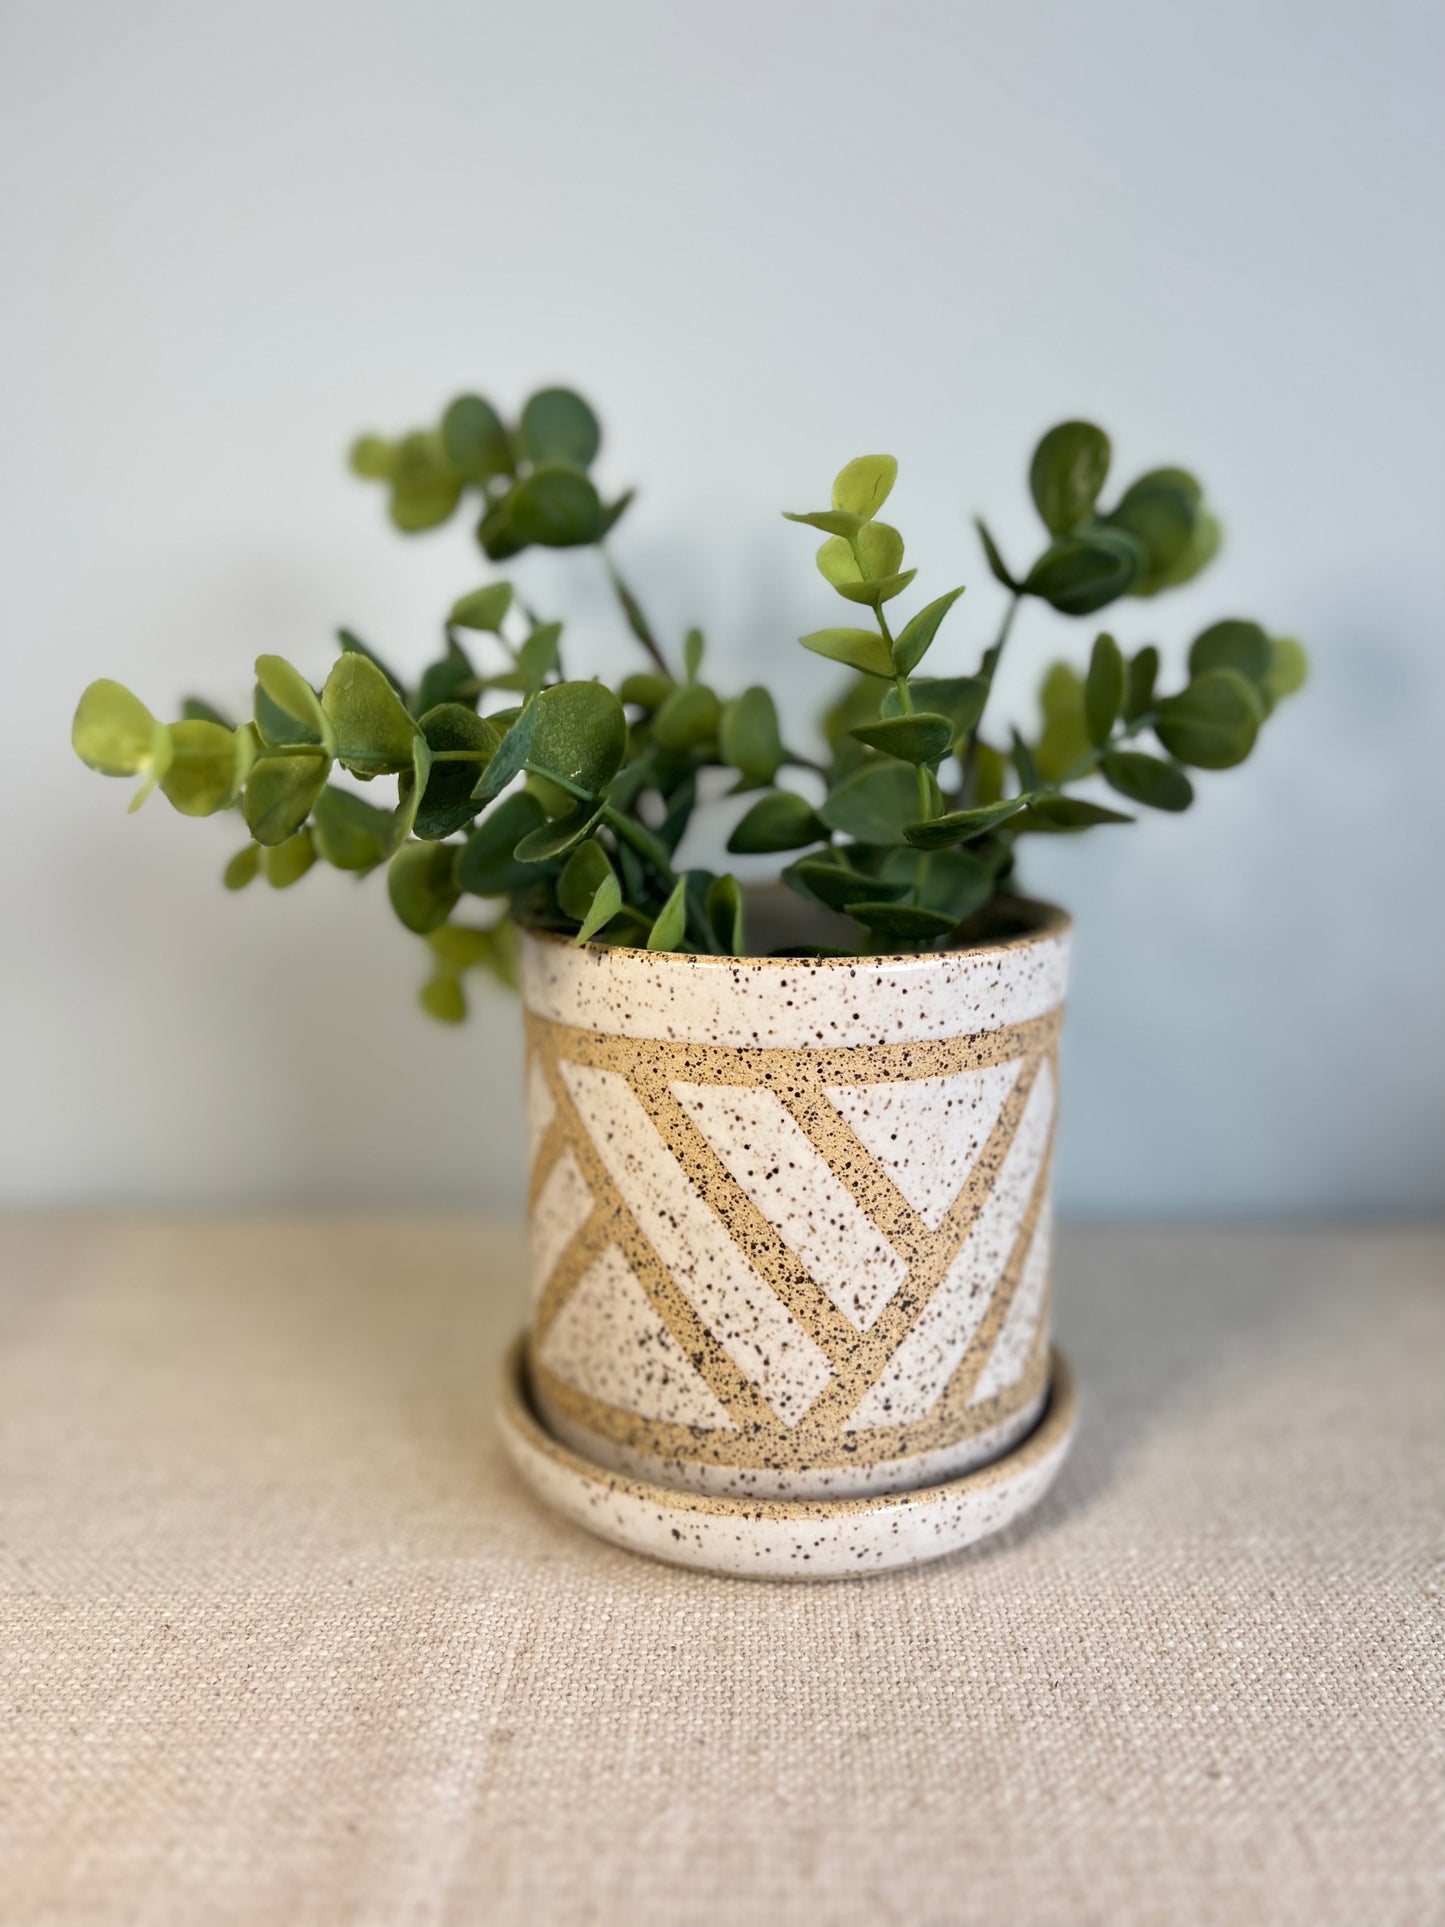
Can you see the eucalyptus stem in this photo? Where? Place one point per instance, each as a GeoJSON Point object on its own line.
{"type": "Point", "coordinates": [987, 670]}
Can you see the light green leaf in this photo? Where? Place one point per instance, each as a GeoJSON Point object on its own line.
{"type": "Point", "coordinates": [861, 649]}
{"type": "Point", "coordinates": [411, 790]}
{"type": "Point", "coordinates": [1103, 689]}
{"type": "Point", "coordinates": [1139, 692]}
{"type": "Point", "coordinates": [1148, 780]}
{"type": "Point", "coordinates": [605, 906]}
{"type": "Point", "coordinates": [962, 826]}
{"type": "Point", "coordinates": [484, 608]}
{"type": "Point", "coordinates": [864, 485]}
{"type": "Point", "coordinates": [830, 521]}
{"type": "Point", "coordinates": [688, 716]}
{"type": "Point", "coordinates": [778, 821]}
{"type": "Point", "coordinates": [1202, 548]}
{"type": "Point", "coordinates": [242, 867]}
{"type": "Point", "coordinates": [667, 932]}
{"type": "Point", "coordinates": [444, 999]}
{"type": "Point", "coordinates": [207, 767]}
{"type": "Point", "coordinates": [692, 648]}
{"type": "Point", "coordinates": [372, 458]}
{"type": "Point", "coordinates": [286, 863]}
{"type": "Point", "coordinates": [557, 425]}
{"type": "Point", "coordinates": [280, 793]}
{"type": "Point", "coordinates": [352, 645]}
{"type": "Point", "coordinates": [374, 731]}
{"type": "Point", "coordinates": [876, 591]}
{"type": "Point", "coordinates": [421, 884]}
{"type": "Point", "coordinates": [351, 834]}
{"type": "Point", "coordinates": [1213, 723]}
{"type": "Point", "coordinates": [289, 690]}
{"type": "Point", "coordinates": [913, 644]}
{"type": "Point", "coordinates": [425, 488]}
{"type": "Point", "coordinates": [1289, 667]}
{"type": "Point", "coordinates": [113, 731]}
{"type": "Point", "coordinates": [646, 688]}
{"type": "Point", "coordinates": [877, 547]}
{"type": "Point", "coordinates": [1070, 466]}
{"type": "Point", "coordinates": [916, 738]}
{"type": "Point", "coordinates": [538, 657]}
{"type": "Point", "coordinates": [586, 869]}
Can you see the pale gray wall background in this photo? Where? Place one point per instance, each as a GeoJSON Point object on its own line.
{"type": "Point", "coordinates": [764, 237]}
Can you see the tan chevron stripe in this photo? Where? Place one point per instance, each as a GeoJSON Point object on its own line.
{"type": "Point", "coordinates": [971, 1366]}
{"type": "Point", "coordinates": [853, 1164]}
{"type": "Point", "coordinates": [575, 1259]}
{"type": "Point", "coordinates": [550, 1146]}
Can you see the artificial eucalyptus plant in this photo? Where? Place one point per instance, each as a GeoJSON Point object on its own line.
{"type": "Point", "coordinates": [566, 803]}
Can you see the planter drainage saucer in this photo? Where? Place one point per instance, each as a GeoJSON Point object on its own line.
{"type": "Point", "coordinates": [788, 1538]}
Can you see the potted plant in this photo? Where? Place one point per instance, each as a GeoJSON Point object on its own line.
{"type": "Point", "coordinates": [791, 1147]}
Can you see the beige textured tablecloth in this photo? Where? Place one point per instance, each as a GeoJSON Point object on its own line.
{"type": "Point", "coordinates": [283, 1642]}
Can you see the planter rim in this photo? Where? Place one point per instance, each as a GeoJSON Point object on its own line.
{"type": "Point", "coordinates": [1049, 921]}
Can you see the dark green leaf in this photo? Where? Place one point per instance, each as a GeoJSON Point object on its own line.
{"type": "Point", "coordinates": [556, 506]}
{"type": "Point", "coordinates": [667, 931]}
{"type": "Point", "coordinates": [748, 736]}
{"type": "Point", "coordinates": [584, 871]}
{"type": "Point", "coordinates": [1160, 511]}
{"type": "Point", "coordinates": [486, 866]}
{"type": "Point", "coordinates": [953, 883]}
{"type": "Point", "coordinates": [280, 793]}
{"type": "Point", "coordinates": [1139, 692]}
{"type": "Point", "coordinates": [833, 883]}
{"type": "Point", "coordinates": [351, 834]}
{"type": "Point", "coordinates": [918, 738]}
{"type": "Point", "coordinates": [778, 821]}
{"type": "Point", "coordinates": [1147, 779]}
{"type": "Point", "coordinates": [1103, 689]}
{"type": "Point", "coordinates": [861, 649]}
{"type": "Point", "coordinates": [874, 804]}
{"type": "Point", "coordinates": [962, 826]}
{"type": "Point", "coordinates": [452, 679]}
{"type": "Point", "coordinates": [557, 425]}
{"type": "Point", "coordinates": [1024, 764]}
{"type": "Point", "coordinates": [960, 698]}
{"type": "Point", "coordinates": [1063, 813]}
{"type": "Point", "coordinates": [447, 804]}
{"type": "Point", "coordinates": [1213, 723]}
{"type": "Point", "coordinates": [411, 790]}
{"type": "Point", "coordinates": [1081, 573]}
{"type": "Point", "coordinates": [474, 440]}
{"type": "Point", "coordinates": [1232, 644]}
{"type": "Point", "coordinates": [903, 920]}
{"type": "Point", "coordinates": [579, 736]}
{"type": "Point", "coordinates": [559, 835]}
{"type": "Point", "coordinates": [913, 644]}
{"type": "Point", "coordinates": [195, 710]}
{"type": "Point", "coordinates": [421, 883]}
{"type": "Point", "coordinates": [290, 692]}
{"type": "Point", "coordinates": [498, 535]}
{"type": "Point", "coordinates": [1069, 468]}
{"type": "Point", "coordinates": [997, 566]}
{"type": "Point", "coordinates": [725, 914]}
{"type": "Point", "coordinates": [538, 657]}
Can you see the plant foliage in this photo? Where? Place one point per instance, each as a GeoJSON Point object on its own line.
{"type": "Point", "coordinates": [563, 804]}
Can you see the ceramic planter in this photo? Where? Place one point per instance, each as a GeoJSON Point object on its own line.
{"type": "Point", "coordinates": [790, 1240]}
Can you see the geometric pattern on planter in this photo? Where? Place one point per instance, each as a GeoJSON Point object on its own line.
{"type": "Point", "coordinates": [675, 1144]}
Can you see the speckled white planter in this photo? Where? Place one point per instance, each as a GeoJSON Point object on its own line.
{"type": "Point", "coordinates": [790, 1219]}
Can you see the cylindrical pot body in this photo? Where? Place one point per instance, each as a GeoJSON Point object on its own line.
{"type": "Point", "coordinates": [790, 1218]}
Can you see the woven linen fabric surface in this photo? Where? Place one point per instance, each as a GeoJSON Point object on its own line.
{"type": "Point", "coordinates": [284, 1641]}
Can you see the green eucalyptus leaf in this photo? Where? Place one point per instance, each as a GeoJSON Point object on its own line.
{"type": "Point", "coordinates": [1022, 758]}
{"type": "Point", "coordinates": [497, 533]}
{"type": "Point", "coordinates": [578, 736]}
{"type": "Point", "coordinates": [351, 834]}
{"type": "Point", "coordinates": [447, 804]}
{"type": "Point", "coordinates": [861, 649]}
{"type": "Point", "coordinates": [286, 863]}
{"type": "Point", "coordinates": [113, 731]}
{"type": "Point", "coordinates": [953, 883]}
{"type": "Point", "coordinates": [486, 866]}
{"type": "Point", "coordinates": [280, 794]}
{"type": "Point", "coordinates": [1289, 667]}
{"type": "Point", "coordinates": [998, 568]}
{"type": "Point", "coordinates": [836, 885]}
{"type": "Point", "coordinates": [1103, 689]}
{"type": "Point", "coordinates": [830, 521]}
{"type": "Point", "coordinates": [1147, 779]}
{"type": "Point", "coordinates": [724, 909]}
{"type": "Point", "coordinates": [671, 923]}
{"type": "Point", "coordinates": [372, 457]}
{"type": "Point", "coordinates": [585, 870]}
{"type": "Point", "coordinates": [646, 689]}
{"type": "Point", "coordinates": [692, 651]}
{"type": "Point", "coordinates": [917, 738]}
{"type": "Point", "coordinates": [1139, 690]}
{"type": "Point", "coordinates": [875, 592]}
{"type": "Point", "coordinates": [749, 740]}
{"type": "Point", "coordinates": [451, 679]}
{"type": "Point", "coordinates": [1064, 743]}
{"type": "Point", "coordinates": [960, 698]}
{"type": "Point", "coordinates": [559, 834]}
{"type": "Point", "coordinates": [196, 710]}
{"type": "Point", "coordinates": [904, 920]}
{"type": "Point", "coordinates": [872, 555]}
{"type": "Point", "coordinates": [917, 637]}
{"type": "Point", "coordinates": [1070, 466]}
{"type": "Point", "coordinates": [538, 657]}
{"type": "Point", "coordinates": [421, 883]}
{"type": "Point", "coordinates": [864, 485]}
{"type": "Point", "coordinates": [875, 804]}
{"type": "Point", "coordinates": [1201, 549]}
{"type": "Point", "coordinates": [604, 907]}
{"type": "Point", "coordinates": [207, 767]}
{"type": "Point", "coordinates": [289, 691]}
{"type": "Point", "coordinates": [484, 608]}
{"type": "Point", "coordinates": [352, 645]}
{"type": "Point", "coordinates": [557, 425]}
{"type": "Point", "coordinates": [962, 826]}
{"type": "Point", "coordinates": [1081, 573]}
{"type": "Point", "coordinates": [1213, 723]}
{"type": "Point", "coordinates": [777, 821]}
{"type": "Point", "coordinates": [374, 730]}
{"type": "Point", "coordinates": [444, 999]}
{"type": "Point", "coordinates": [1232, 644]}
{"type": "Point", "coordinates": [411, 789]}
{"type": "Point", "coordinates": [688, 716]}
{"type": "Point", "coordinates": [1065, 813]}
{"type": "Point", "coordinates": [474, 439]}
{"type": "Point", "coordinates": [555, 506]}
{"type": "Point", "coordinates": [243, 867]}
{"type": "Point", "coordinates": [1160, 511]}
{"type": "Point", "coordinates": [425, 488]}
